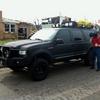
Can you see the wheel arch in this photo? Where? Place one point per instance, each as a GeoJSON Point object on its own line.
{"type": "Point", "coordinates": [45, 55]}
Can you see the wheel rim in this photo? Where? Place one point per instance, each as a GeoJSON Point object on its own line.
{"type": "Point", "coordinates": [40, 69]}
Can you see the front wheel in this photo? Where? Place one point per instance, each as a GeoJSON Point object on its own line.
{"type": "Point", "coordinates": [39, 70]}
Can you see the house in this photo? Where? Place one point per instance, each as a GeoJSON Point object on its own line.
{"type": "Point", "coordinates": [22, 29]}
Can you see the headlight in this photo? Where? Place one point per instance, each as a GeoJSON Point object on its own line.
{"type": "Point", "coordinates": [22, 52]}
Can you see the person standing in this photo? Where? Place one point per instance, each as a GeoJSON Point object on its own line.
{"type": "Point", "coordinates": [95, 40]}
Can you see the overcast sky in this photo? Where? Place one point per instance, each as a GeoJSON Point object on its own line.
{"type": "Point", "coordinates": [28, 10]}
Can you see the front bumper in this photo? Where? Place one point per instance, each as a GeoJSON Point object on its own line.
{"type": "Point", "coordinates": [9, 57]}
{"type": "Point", "coordinates": [17, 62]}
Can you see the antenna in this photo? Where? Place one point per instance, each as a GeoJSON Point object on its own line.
{"type": "Point", "coordinates": [60, 14]}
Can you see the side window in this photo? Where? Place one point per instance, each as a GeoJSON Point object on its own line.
{"type": "Point", "coordinates": [7, 28]}
{"type": "Point", "coordinates": [64, 35]}
{"type": "Point", "coordinates": [77, 35]}
{"type": "Point", "coordinates": [86, 33]}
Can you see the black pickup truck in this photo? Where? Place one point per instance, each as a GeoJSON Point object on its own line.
{"type": "Point", "coordinates": [46, 47]}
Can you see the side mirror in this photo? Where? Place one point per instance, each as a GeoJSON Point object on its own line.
{"type": "Point", "coordinates": [59, 41]}
{"type": "Point", "coordinates": [30, 35]}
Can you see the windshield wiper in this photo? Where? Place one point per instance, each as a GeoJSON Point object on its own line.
{"type": "Point", "coordinates": [38, 39]}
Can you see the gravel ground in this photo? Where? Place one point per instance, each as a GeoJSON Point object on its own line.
{"type": "Point", "coordinates": [65, 82]}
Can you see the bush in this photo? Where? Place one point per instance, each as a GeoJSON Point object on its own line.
{"type": "Point", "coordinates": [85, 23]}
{"type": "Point", "coordinates": [4, 41]}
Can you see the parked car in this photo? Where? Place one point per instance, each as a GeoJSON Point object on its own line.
{"type": "Point", "coordinates": [46, 47]}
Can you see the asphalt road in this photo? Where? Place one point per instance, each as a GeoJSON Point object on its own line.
{"type": "Point", "coordinates": [65, 82]}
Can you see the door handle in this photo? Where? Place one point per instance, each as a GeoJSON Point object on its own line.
{"type": "Point", "coordinates": [77, 39]}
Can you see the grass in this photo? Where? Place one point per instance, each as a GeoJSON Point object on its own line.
{"type": "Point", "coordinates": [2, 42]}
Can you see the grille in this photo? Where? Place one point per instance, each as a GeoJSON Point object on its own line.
{"type": "Point", "coordinates": [5, 52]}
{"type": "Point", "coordinates": [14, 53]}
{"type": "Point", "coordinates": [0, 51]}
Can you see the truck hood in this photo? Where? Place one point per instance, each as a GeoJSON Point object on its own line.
{"type": "Point", "coordinates": [21, 43]}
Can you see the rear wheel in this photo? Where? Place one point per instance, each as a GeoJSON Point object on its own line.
{"type": "Point", "coordinates": [86, 61]}
{"type": "Point", "coordinates": [88, 57]}
{"type": "Point", "coordinates": [39, 70]}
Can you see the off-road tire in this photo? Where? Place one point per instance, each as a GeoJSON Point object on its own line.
{"type": "Point", "coordinates": [39, 70]}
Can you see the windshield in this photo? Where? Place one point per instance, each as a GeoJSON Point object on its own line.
{"type": "Point", "coordinates": [44, 34]}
